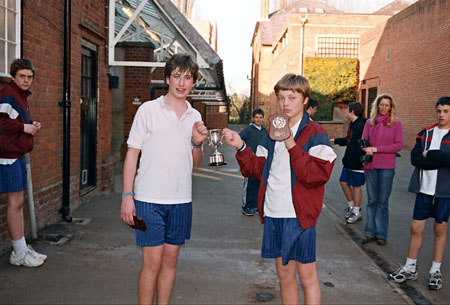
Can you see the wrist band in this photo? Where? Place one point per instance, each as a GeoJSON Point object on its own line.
{"type": "Point", "coordinates": [196, 145]}
{"type": "Point", "coordinates": [242, 147]}
{"type": "Point", "coordinates": [127, 193]}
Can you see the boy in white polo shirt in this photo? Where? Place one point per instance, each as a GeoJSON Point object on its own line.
{"type": "Point", "coordinates": [166, 134]}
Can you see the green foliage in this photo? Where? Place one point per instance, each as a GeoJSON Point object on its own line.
{"type": "Point", "coordinates": [332, 80]}
{"type": "Point", "coordinates": [238, 109]}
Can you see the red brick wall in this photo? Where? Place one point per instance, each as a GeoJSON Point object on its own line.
{"type": "Point", "coordinates": [334, 129]}
{"type": "Point", "coordinates": [418, 71]}
{"type": "Point", "coordinates": [43, 31]}
{"type": "Point", "coordinates": [137, 82]}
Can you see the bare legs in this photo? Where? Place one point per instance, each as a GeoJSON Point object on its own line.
{"type": "Point", "coordinates": [14, 215]}
{"type": "Point", "coordinates": [289, 286]}
{"type": "Point", "coordinates": [352, 193]}
{"type": "Point", "coordinates": [415, 241]}
{"type": "Point", "coordinates": [157, 273]}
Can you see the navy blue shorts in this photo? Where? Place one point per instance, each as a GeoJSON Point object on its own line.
{"type": "Point", "coordinates": [427, 206]}
{"type": "Point", "coordinates": [166, 223]}
{"type": "Point", "coordinates": [284, 238]}
{"type": "Point", "coordinates": [13, 177]}
{"type": "Point", "coordinates": [352, 178]}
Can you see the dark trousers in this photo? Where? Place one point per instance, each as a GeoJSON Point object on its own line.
{"type": "Point", "coordinates": [250, 198]}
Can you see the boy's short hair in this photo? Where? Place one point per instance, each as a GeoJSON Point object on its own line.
{"type": "Point", "coordinates": [356, 107]}
{"type": "Point", "coordinates": [183, 62]}
{"type": "Point", "coordinates": [258, 111]}
{"type": "Point", "coordinates": [312, 103]}
{"type": "Point", "coordinates": [443, 100]}
{"type": "Point", "coordinates": [20, 64]}
{"type": "Point", "coordinates": [294, 82]}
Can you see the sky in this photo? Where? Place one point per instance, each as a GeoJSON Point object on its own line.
{"type": "Point", "coordinates": [236, 20]}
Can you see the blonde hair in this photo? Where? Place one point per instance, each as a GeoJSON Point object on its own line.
{"type": "Point", "coordinates": [294, 82]}
{"type": "Point", "coordinates": [374, 111]}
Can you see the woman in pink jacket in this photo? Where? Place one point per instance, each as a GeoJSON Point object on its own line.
{"type": "Point", "coordinates": [384, 132]}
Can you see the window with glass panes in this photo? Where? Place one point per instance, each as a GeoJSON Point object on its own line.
{"type": "Point", "coordinates": [335, 46]}
{"type": "Point", "coordinates": [9, 33]}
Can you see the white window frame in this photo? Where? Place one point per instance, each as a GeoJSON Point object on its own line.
{"type": "Point", "coordinates": [6, 40]}
{"type": "Point", "coordinates": [318, 36]}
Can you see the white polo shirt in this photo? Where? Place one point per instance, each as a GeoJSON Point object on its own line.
{"type": "Point", "coordinates": [164, 174]}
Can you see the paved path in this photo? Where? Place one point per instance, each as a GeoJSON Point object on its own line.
{"type": "Point", "coordinates": [393, 255]}
{"type": "Point", "coordinates": [221, 264]}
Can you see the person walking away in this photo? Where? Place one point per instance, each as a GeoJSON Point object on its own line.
{"type": "Point", "coordinates": [352, 176]}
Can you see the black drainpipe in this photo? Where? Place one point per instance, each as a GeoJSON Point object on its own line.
{"type": "Point", "coordinates": [66, 104]}
{"type": "Point", "coordinates": [21, 29]}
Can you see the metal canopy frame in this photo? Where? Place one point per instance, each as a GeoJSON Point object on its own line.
{"type": "Point", "coordinates": [147, 21]}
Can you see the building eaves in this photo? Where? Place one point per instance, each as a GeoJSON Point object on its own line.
{"type": "Point", "coordinates": [270, 29]}
{"type": "Point", "coordinates": [193, 36]}
{"type": "Point", "coordinates": [393, 8]}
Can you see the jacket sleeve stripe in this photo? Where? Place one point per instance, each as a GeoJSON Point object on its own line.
{"type": "Point", "coordinates": [9, 110]}
{"type": "Point", "coordinates": [323, 152]}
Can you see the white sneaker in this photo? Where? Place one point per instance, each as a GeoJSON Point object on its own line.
{"type": "Point", "coordinates": [37, 254]}
{"type": "Point", "coordinates": [348, 212]}
{"type": "Point", "coordinates": [26, 258]}
{"type": "Point", "coordinates": [354, 217]}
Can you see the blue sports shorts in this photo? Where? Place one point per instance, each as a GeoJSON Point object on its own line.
{"type": "Point", "coordinates": [284, 238]}
{"type": "Point", "coordinates": [427, 206]}
{"type": "Point", "coordinates": [13, 177]}
{"type": "Point", "coordinates": [352, 178]}
{"type": "Point", "coordinates": [166, 223]}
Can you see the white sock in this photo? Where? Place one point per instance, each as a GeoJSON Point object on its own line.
{"type": "Point", "coordinates": [19, 245]}
{"type": "Point", "coordinates": [435, 267]}
{"type": "Point", "coordinates": [356, 210]}
{"type": "Point", "coordinates": [350, 204]}
{"type": "Point", "coordinates": [410, 265]}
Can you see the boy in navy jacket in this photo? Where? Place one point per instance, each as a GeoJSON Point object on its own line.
{"type": "Point", "coordinates": [430, 181]}
{"type": "Point", "coordinates": [252, 136]}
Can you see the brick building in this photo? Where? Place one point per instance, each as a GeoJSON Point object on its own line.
{"type": "Point", "coordinates": [408, 57]}
{"type": "Point", "coordinates": [300, 29]}
{"type": "Point", "coordinates": [402, 49]}
{"type": "Point", "coordinates": [85, 96]}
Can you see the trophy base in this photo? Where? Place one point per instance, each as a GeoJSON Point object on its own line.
{"type": "Point", "coordinates": [217, 160]}
{"type": "Point", "coordinates": [218, 163]}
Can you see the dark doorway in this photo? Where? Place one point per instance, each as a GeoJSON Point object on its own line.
{"type": "Point", "coordinates": [371, 98]}
{"type": "Point", "coordinates": [88, 123]}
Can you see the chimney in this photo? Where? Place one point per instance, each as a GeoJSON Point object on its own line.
{"type": "Point", "coordinates": [264, 9]}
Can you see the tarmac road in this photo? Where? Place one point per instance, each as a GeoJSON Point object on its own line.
{"type": "Point", "coordinates": [393, 255]}
{"type": "Point", "coordinates": [221, 264]}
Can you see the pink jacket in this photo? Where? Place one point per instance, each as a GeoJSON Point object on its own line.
{"type": "Point", "coordinates": [387, 140]}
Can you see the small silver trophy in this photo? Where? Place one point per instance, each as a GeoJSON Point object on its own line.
{"type": "Point", "coordinates": [215, 137]}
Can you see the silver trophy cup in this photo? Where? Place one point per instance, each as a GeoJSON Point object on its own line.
{"type": "Point", "coordinates": [215, 137]}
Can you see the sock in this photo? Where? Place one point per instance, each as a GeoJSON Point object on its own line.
{"type": "Point", "coordinates": [19, 245]}
{"type": "Point", "coordinates": [435, 267]}
{"type": "Point", "coordinates": [410, 265]}
{"type": "Point", "coordinates": [350, 204]}
{"type": "Point", "coordinates": [356, 210]}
